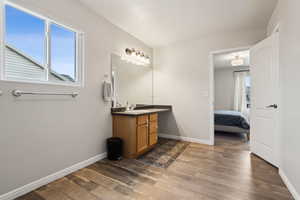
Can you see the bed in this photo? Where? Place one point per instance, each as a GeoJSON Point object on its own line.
{"type": "Point", "coordinates": [231, 121]}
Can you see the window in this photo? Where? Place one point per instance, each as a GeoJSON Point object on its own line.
{"type": "Point", "coordinates": [63, 51]}
{"type": "Point", "coordinates": [248, 90]}
{"type": "Point", "coordinates": [37, 49]}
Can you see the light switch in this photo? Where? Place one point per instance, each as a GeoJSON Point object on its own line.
{"type": "Point", "coordinates": [204, 93]}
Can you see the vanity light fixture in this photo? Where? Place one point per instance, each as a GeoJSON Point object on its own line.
{"type": "Point", "coordinates": [136, 57]}
{"type": "Point", "coordinates": [237, 61]}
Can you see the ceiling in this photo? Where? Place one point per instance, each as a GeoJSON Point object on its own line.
{"type": "Point", "coordinates": [161, 22]}
{"type": "Point", "coordinates": [223, 60]}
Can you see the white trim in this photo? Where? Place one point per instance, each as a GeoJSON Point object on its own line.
{"type": "Point", "coordinates": [289, 185]}
{"type": "Point", "coordinates": [15, 80]}
{"type": "Point", "coordinates": [187, 139]}
{"type": "Point", "coordinates": [212, 89]}
{"type": "Point", "coordinates": [211, 99]}
{"type": "Point", "coordinates": [80, 58]}
{"type": "Point", "coordinates": [2, 13]}
{"type": "Point", "coordinates": [48, 179]}
{"type": "Point", "coordinates": [231, 50]}
{"type": "Point", "coordinates": [47, 49]}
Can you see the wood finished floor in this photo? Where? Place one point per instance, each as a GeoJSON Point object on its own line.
{"type": "Point", "coordinates": [226, 171]}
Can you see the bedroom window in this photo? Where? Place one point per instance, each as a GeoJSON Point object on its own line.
{"type": "Point", "coordinates": [248, 91]}
{"type": "Point", "coordinates": [39, 50]}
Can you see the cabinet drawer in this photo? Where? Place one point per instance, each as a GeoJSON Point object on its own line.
{"type": "Point", "coordinates": [143, 119]}
{"type": "Point", "coordinates": [153, 127]}
{"type": "Point", "coordinates": [153, 117]}
{"type": "Point", "coordinates": [152, 139]}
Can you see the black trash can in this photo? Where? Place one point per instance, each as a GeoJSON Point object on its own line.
{"type": "Point", "coordinates": [114, 148]}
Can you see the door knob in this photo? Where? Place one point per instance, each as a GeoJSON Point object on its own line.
{"type": "Point", "coordinates": [275, 106]}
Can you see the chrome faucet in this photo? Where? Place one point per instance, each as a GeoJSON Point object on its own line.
{"type": "Point", "coordinates": [133, 106]}
{"type": "Point", "coordinates": [130, 106]}
{"type": "Point", "coordinates": [118, 105]}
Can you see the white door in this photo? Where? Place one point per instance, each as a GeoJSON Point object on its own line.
{"type": "Point", "coordinates": [264, 68]}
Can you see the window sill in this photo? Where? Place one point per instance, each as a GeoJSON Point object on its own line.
{"type": "Point", "coordinates": [76, 85]}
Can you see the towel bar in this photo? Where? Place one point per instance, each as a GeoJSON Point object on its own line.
{"type": "Point", "coordinates": [18, 93]}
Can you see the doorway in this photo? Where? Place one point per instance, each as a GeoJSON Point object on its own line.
{"type": "Point", "coordinates": [264, 97]}
{"type": "Point", "coordinates": [232, 94]}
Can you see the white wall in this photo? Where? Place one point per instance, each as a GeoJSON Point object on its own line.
{"type": "Point", "coordinates": [42, 135]}
{"type": "Point", "coordinates": [224, 87]}
{"type": "Point", "coordinates": [181, 79]}
{"type": "Point", "coordinates": [289, 49]}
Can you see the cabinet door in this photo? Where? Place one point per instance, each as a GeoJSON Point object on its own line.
{"type": "Point", "coordinates": [143, 119]}
{"type": "Point", "coordinates": [153, 132]}
{"type": "Point", "coordinates": [153, 127]}
{"type": "Point", "coordinates": [142, 138]}
{"type": "Point", "coordinates": [153, 117]}
{"type": "Point", "coordinates": [152, 138]}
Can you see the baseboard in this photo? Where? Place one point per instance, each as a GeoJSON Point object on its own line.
{"type": "Point", "coordinates": [289, 185]}
{"type": "Point", "coordinates": [187, 139]}
{"type": "Point", "coordinates": [48, 179]}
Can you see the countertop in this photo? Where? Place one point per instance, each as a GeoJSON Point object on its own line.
{"type": "Point", "coordinates": [142, 110]}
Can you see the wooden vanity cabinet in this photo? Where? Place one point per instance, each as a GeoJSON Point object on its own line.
{"type": "Point", "coordinates": [139, 133]}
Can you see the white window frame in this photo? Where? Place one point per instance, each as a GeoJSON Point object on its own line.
{"type": "Point", "coordinates": [79, 54]}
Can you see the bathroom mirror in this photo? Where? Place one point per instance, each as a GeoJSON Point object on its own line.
{"type": "Point", "coordinates": [131, 83]}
